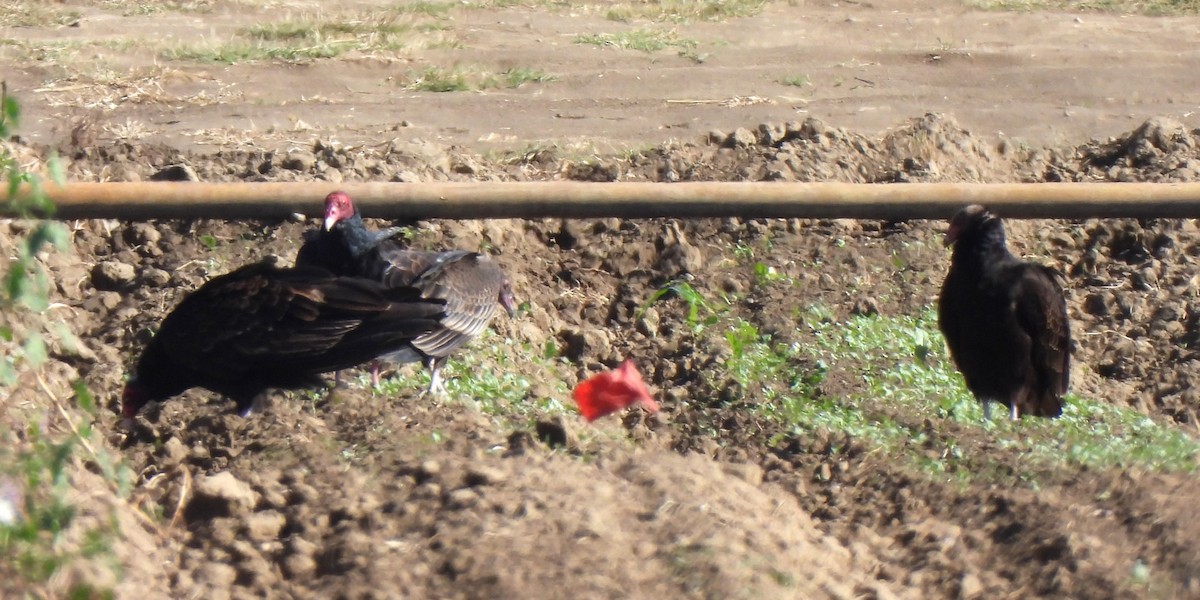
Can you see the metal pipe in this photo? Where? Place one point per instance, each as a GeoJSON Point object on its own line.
{"type": "Point", "coordinates": [631, 200]}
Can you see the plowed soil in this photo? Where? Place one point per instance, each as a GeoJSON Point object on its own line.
{"type": "Point", "coordinates": [354, 492]}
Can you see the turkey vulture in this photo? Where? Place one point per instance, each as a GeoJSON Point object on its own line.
{"type": "Point", "coordinates": [1004, 319]}
{"type": "Point", "coordinates": [262, 326]}
{"type": "Point", "coordinates": [342, 238]}
{"type": "Point", "coordinates": [472, 284]}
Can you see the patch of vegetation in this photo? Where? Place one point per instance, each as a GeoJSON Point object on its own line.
{"type": "Point", "coordinates": [516, 77]}
{"type": "Point", "coordinates": [314, 32]}
{"type": "Point", "coordinates": [424, 7]}
{"type": "Point", "coordinates": [36, 13]}
{"type": "Point", "coordinates": [486, 374]}
{"type": "Point", "coordinates": [795, 80]}
{"type": "Point", "coordinates": [645, 40]}
{"type": "Point", "coordinates": [436, 79]}
{"type": "Point", "coordinates": [1148, 7]}
{"type": "Point", "coordinates": [682, 11]}
{"type": "Point", "coordinates": [902, 377]}
{"type": "Point", "coordinates": [47, 440]}
{"type": "Point", "coordinates": [902, 363]}
{"type": "Point", "coordinates": [700, 313]}
{"type": "Point", "coordinates": [462, 79]}
{"type": "Point", "coordinates": [308, 39]}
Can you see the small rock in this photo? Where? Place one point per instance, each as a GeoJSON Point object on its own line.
{"type": "Point", "coordinates": [648, 323]}
{"type": "Point", "coordinates": [484, 475]}
{"type": "Point", "coordinates": [265, 526]}
{"type": "Point", "coordinates": [748, 472]}
{"type": "Point", "coordinates": [112, 275]}
{"type": "Point", "coordinates": [825, 473]}
{"type": "Point", "coordinates": [108, 300]}
{"type": "Point", "coordinates": [462, 498]}
{"type": "Point", "coordinates": [142, 233]}
{"type": "Point", "coordinates": [741, 138]}
{"type": "Point", "coordinates": [227, 492]}
{"type": "Point", "coordinates": [772, 134]}
{"type": "Point", "coordinates": [299, 161]}
{"type": "Point", "coordinates": [299, 565]}
{"type": "Point", "coordinates": [865, 307]}
{"type": "Point", "coordinates": [429, 469]}
{"type": "Point", "coordinates": [1098, 304]}
{"type": "Point", "coordinates": [155, 277]}
{"type": "Point", "coordinates": [180, 172]}
{"type": "Point", "coordinates": [554, 433]}
{"type": "Point", "coordinates": [172, 452]}
{"type": "Point", "coordinates": [730, 285]}
{"type": "Point", "coordinates": [970, 587]}
{"type": "Point", "coordinates": [577, 344]}
{"type": "Point", "coordinates": [217, 575]}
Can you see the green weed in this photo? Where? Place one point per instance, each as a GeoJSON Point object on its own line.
{"type": "Point", "coordinates": [517, 77]}
{"type": "Point", "coordinates": [700, 312]}
{"type": "Point", "coordinates": [908, 368]}
{"type": "Point", "coordinates": [306, 39]}
{"type": "Point", "coordinates": [37, 502]}
{"type": "Point", "coordinates": [682, 11]}
{"type": "Point", "coordinates": [795, 80]}
{"type": "Point", "coordinates": [486, 375]}
{"type": "Point", "coordinates": [36, 13]}
{"type": "Point", "coordinates": [645, 40]}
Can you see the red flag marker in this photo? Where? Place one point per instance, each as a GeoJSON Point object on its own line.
{"type": "Point", "coordinates": [610, 391]}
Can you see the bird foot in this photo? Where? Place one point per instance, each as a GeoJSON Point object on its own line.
{"type": "Point", "coordinates": [437, 387]}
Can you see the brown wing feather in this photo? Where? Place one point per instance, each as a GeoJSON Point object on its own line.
{"type": "Point", "coordinates": [1042, 313]}
{"type": "Point", "coordinates": [470, 284]}
{"type": "Point", "coordinates": [263, 318]}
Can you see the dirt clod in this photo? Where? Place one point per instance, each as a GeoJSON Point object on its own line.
{"type": "Point", "coordinates": [112, 275]}
{"type": "Point", "coordinates": [220, 494]}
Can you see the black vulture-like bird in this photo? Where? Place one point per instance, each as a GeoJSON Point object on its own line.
{"type": "Point", "coordinates": [472, 284]}
{"type": "Point", "coordinates": [342, 239]}
{"type": "Point", "coordinates": [265, 327]}
{"type": "Point", "coordinates": [1004, 319]}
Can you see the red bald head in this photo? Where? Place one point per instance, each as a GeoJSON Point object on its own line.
{"type": "Point", "coordinates": [337, 207]}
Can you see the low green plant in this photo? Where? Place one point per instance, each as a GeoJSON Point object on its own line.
{"type": "Point", "coordinates": [37, 503]}
{"type": "Point", "coordinates": [682, 11]}
{"type": "Point", "coordinates": [308, 39]}
{"type": "Point", "coordinates": [897, 376]}
{"type": "Point", "coordinates": [907, 368]}
{"type": "Point", "coordinates": [644, 40]}
{"type": "Point", "coordinates": [700, 313]}
{"type": "Point", "coordinates": [436, 79]}
{"type": "Point", "coordinates": [485, 374]}
{"type": "Point", "coordinates": [795, 80]}
{"type": "Point", "coordinates": [516, 77]}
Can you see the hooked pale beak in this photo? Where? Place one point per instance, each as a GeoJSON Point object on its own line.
{"type": "Point", "coordinates": [509, 303]}
{"type": "Point", "coordinates": [330, 220]}
{"type": "Point", "coordinates": [951, 236]}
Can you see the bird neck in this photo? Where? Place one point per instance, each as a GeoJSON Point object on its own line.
{"type": "Point", "coordinates": [355, 234]}
{"type": "Point", "coordinates": [982, 244]}
{"type": "Point", "coordinates": [158, 378]}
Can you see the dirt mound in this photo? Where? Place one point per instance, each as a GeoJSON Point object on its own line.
{"type": "Point", "coordinates": [651, 525]}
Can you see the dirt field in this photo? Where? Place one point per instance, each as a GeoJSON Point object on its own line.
{"type": "Point", "coordinates": [868, 486]}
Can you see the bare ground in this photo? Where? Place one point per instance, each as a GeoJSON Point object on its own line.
{"type": "Point", "coordinates": [359, 493]}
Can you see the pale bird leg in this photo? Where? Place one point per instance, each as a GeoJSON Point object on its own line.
{"type": "Point", "coordinates": [987, 409]}
{"type": "Point", "coordinates": [437, 388]}
{"type": "Point", "coordinates": [251, 408]}
{"type": "Point", "coordinates": [1012, 412]}
{"type": "Point", "coordinates": [375, 368]}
